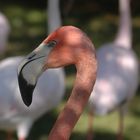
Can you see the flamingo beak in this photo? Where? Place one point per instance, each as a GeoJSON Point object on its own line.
{"type": "Point", "coordinates": [29, 71]}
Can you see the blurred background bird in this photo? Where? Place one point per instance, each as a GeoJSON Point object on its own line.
{"type": "Point", "coordinates": [4, 32]}
{"type": "Point", "coordinates": [14, 115]}
{"type": "Point", "coordinates": [117, 76]}
{"type": "Point", "coordinates": [49, 92]}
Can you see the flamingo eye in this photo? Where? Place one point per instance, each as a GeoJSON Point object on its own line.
{"type": "Point", "coordinates": [52, 43]}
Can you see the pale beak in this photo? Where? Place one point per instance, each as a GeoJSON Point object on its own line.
{"type": "Point", "coordinates": [29, 71]}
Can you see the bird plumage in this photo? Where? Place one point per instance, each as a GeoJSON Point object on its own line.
{"type": "Point", "coordinates": [124, 34]}
{"type": "Point", "coordinates": [117, 75]}
{"type": "Point", "coordinates": [117, 78]}
{"type": "Point", "coordinates": [13, 113]}
{"type": "Point", "coordinates": [72, 46]}
{"type": "Point", "coordinates": [54, 15]}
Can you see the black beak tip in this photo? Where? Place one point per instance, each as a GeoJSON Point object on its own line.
{"type": "Point", "coordinates": [26, 90]}
{"type": "Point", "coordinates": [27, 101]}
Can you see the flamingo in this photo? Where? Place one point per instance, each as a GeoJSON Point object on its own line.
{"type": "Point", "coordinates": [4, 32]}
{"type": "Point", "coordinates": [66, 45]}
{"type": "Point", "coordinates": [117, 76]}
{"type": "Point", "coordinates": [14, 115]}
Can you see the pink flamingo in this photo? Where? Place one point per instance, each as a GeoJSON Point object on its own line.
{"type": "Point", "coordinates": [67, 45]}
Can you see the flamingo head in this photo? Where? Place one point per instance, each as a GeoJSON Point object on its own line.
{"type": "Point", "coordinates": [60, 48]}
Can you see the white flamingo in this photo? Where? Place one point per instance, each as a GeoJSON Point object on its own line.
{"type": "Point", "coordinates": [4, 32]}
{"type": "Point", "coordinates": [117, 76]}
{"type": "Point", "coordinates": [13, 113]}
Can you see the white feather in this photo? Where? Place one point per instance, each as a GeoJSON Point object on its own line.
{"type": "Point", "coordinates": [47, 95]}
{"type": "Point", "coordinates": [117, 78]}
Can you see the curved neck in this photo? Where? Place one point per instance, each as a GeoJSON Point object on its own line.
{"type": "Point", "coordinates": [124, 36]}
{"type": "Point", "coordinates": [85, 79]}
{"type": "Point", "coordinates": [54, 17]}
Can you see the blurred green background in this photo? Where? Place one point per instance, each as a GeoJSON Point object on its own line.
{"type": "Point", "coordinates": [99, 19]}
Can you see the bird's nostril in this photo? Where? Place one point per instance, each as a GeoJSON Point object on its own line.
{"type": "Point", "coordinates": [31, 56]}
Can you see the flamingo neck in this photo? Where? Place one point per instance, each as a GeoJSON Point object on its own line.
{"type": "Point", "coordinates": [54, 17]}
{"type": "Point", "coordinates": [85, 79]}
{"type": "Point", "coordinates": [124, 36]}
